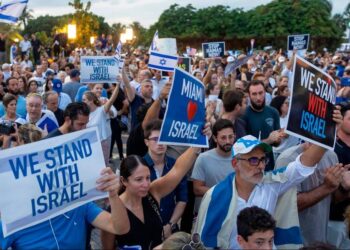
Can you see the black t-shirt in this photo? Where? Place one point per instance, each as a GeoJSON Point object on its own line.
{"type": "Point", "coordinates": [118, 103]}
{"type": "Point", "coordinates": [54, 133]}
{"type": "Point", "coordinates": [337, 210]}
{"type": "Point", "coordinates": [2, 45]}
{"type": "Point", "coordinates": [135, 145]}
{"type": "Point", "coordinates": [148, 234]}
{"type": "Point", "coordinates": [59, 114]}
{"type": "Point", "coordinates": [36, 44]}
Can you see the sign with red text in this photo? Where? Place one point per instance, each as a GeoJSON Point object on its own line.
{"type": "Point", "coordinates": [185, 114]}
{"type": "Point", "coordinates": [311, 106]}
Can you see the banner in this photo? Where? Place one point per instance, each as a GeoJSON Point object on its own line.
{"type": "Point", "coordinates": [231, 67]}
{"type": "Point", "coordinates": [162, 62]}
{"type": "Point", "coordinates": [216, 49]}
{"type": "Point", "coordinates": [47, 178]}
{"type": "Point", "coordinates": [185, 114]}
{"type": "Point", "coordinates": [99, 69]}
{"type": "Point", "coordinates": [298, 42]}
{"type": "Point", "coordinates": [311, 106]}
{"type": "Point", "coordinates": [184, 63]}
{"type": "Point", "coordinates": [167, 46]}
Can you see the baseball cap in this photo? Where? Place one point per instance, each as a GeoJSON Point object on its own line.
{"type": "Point", "coordinates": [57, 85]}
{"type": "Point", "coordinates": [74, 73]}
{"type": "Point", "coordinates": [230, 59]}
{"type": "Point", "coordinates": [49, 72]}
{"type": "Point", "coordinates": [246, 144]}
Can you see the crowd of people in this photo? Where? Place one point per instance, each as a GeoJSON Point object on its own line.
{"type": "Point", "coordinates": [255, 187]}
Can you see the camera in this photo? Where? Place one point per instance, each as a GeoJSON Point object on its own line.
{"type": "Point", "coordinates": [7, 127]}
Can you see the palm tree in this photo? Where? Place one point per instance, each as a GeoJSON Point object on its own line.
{"type": "Point", "coordinates": [26, 16]}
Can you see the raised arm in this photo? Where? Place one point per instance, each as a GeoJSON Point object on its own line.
{"type": "Point", "coordinates": [130, 91]}
{"type": "Point", "coordinates": [153, 111]}
{"type": "Point", "coordinates": [163, 186]}
{"type": "Point", "coordinates": [111, 100]}
{"type": "Point", "coordinates": [116, 222]}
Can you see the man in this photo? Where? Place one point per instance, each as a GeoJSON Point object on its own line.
{"type": "Point", "coordinates": [6, 70]}
{"type": "Point", "coordinates": [51, 103]}
{"type": "Point", "coordinates": [71, 88]}
{"type": "Point", "coordinates": [141, 75]}
{"type": "Point", "coordinates": [314, 193]}
{"type": "Point", "coordinates": [12, 88]}
{"type": "Point", "coordinates": [63, 98]}
{"type": "Point", "coordinates": [214, 165]}
{"type": "Point", "coordinates": [262, 121]}
{"type": "Point", "coordinates": [234, 104]}
{"type": "Point", "coordinates": [158, 83]}
{"type": "Point", "coordinates": [255, 229]}
{"type": "Point", "coordinates": [2, 48]}
{"type": "Point", "coordinates": [173, 205]}
{"type": "Point", "coordinates": [25, 46]}
{"type": "Point", "coordinates": [137, 100]}
{"type": "Point", "coordinates": [26, 63]}
{"type": "Point", "coordinates": [39, 77]}
{"type": "Point", "coordinates": [250, 186]}
{"type": "Point", "coordinates": [36, 45]}
{"type": "Point", "coordinates": [43, 119]}
{"type": "Point", "coordinates": [341, 199]}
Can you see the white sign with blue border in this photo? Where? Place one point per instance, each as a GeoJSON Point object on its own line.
{"type": "Point", "coordinates": [185, 114]}
{"type": "Point", "coordinates": [99, 69]}
{"type": "Point", "coordinates": [44, 179]}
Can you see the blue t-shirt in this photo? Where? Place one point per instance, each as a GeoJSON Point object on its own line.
{"type": "Point", "coordinates": [20, 108]}
{"type": "Point", "coordinates": [68, 229]}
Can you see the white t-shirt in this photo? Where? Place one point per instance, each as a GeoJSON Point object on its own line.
{"type": "Point", "coordinates": [265, 195]}
{"type": "Point", "coordinates": [100, 119]}
{"type": "Point", "coordinates": [25, 45]}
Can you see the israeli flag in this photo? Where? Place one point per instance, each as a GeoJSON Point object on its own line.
{"type": "Point", "coordinates": [118, 50]}
{"type": "Point", "coordinates": [162, 62]}
{"type": "Point", "coordinates": [10, 12]}
{"type": "Point", "coordinates": [153, 46]}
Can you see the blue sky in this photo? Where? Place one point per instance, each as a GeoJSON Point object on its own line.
{"type": "Point", "coordinates": [144, 11]}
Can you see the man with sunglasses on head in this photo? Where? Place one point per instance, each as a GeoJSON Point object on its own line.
{"type": "Point", "coordinates": [250, 186]}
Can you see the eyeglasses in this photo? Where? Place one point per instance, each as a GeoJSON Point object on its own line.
{"type": "Point", "coordinates": [155, 139]}
{"type": "Point", "coordinates": [255, 161]}
{"type": "Point", "coordinates": [194, 243]}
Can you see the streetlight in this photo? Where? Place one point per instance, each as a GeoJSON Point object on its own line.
{"type": "Point", "coordinates": [92, 40]}
{"type": "Point", "coordinates": [72, 31]}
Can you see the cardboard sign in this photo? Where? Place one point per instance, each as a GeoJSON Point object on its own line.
{"type": "Point", "coordinates": [99, 69]}
{"type": "Point", "coordinates": [185, 114]}
{"type": "Point", "coordinates": [298, 42]}
{"type": "Point", "coordinates": [184, 63]}
{"type": "Point", "coordinates": [47, 178]}
{"type": "Point", "coordinates": [311, 106]}
{"type": "Point", "coordinates": [216, 49]}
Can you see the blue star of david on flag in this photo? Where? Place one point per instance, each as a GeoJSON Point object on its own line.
{"type": "Point", "coordinates": [162, 62]}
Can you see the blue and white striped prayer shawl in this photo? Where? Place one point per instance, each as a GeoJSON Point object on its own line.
{"type": "Point", "coordinates": [215, 221]}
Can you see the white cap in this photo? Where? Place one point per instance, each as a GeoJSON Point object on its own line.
{"type": "Point", "coordinates": [246, 144]}
{"type": "Point", "coordinates": [230, 59]}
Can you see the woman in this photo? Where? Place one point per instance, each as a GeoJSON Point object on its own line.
{"type": "Point", "coordinates": [212, 93]}
{"type": "Point", "coordinates": [22, 85]}
{"type": "Point", "coordinates": [32, 86]}
{"type": "Point", "coordinates": [10, 105]}
{"type": "Point", "coordinates": [141, 199]}
{"type": "Point", "coordinates": [281, 103]}
{"type": "Point", "coordinates": [99, 117]}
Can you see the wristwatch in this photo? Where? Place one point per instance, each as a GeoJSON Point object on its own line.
{"type": "Point", "coordinates": [173, 226]}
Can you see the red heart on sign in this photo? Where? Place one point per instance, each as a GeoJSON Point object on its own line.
{"type": "Point", "coordinates": [191, 110]}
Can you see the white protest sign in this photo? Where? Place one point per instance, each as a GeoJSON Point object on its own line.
{"type": "Point", "coordinates": [300, 43]}
{"type": "Point", "coordinates": [47, 178]}
{"type": "Point", "coordinates": [98, 69]}
{"type": "Point", "coordinates": [167, 46]}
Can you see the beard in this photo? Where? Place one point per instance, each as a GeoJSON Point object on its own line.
{"type": "Point", "coordinates": [258, 107]}
{"type": "Point", "coordinates": [225, 148]}
{"type": "Point", "coordinates": [13, 92]}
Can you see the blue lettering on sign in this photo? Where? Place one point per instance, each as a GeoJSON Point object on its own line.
{"type": "Point", "coordinates": [20, 166]}
{"type": "Point", "coordinates": [313, 124]}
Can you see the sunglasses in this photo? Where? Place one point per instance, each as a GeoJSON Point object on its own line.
{"type": "Point", "coordinates": [155, 139]}
{"type": "Point", "coordinates": [255, 161]}
{"type": "Point", "coordinates": [194, 243]}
